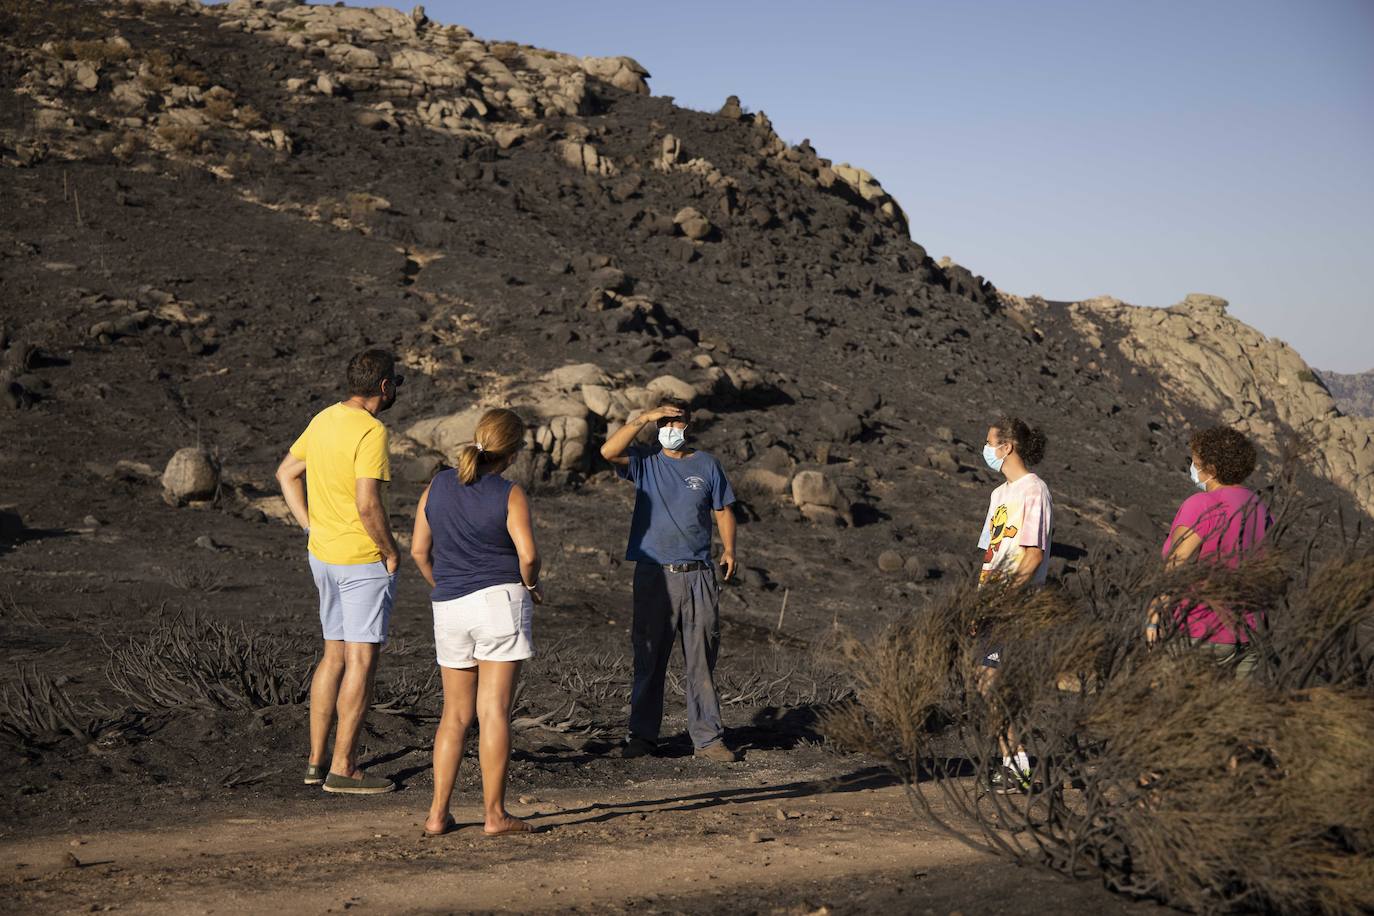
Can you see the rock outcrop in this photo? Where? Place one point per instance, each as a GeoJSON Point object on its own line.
{"type": "Point", "coordinates": [569, 406]}
{"type": "Point", "coordinates": [1200, 355]}
{"type": "Point", "coordinates": [1352, 391]}
{"type": "Point", "coordinates": [819, 499]}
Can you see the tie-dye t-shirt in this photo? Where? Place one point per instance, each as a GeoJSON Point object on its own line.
{"type": "Point", "coordinates": [1230, 521]}
{"type": "Point", "coordinates": [1020, 515]}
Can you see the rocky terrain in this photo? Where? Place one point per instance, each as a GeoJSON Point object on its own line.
{"type": "Point", "coordinates": [1199, 355]}
{"type": "Point", "coordinates": [1353, 391]}
{"type": "Point", "coordinates": [210, 208]}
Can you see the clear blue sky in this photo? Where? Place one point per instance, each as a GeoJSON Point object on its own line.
{"type": "Point", "coordinates": [1071, 149]}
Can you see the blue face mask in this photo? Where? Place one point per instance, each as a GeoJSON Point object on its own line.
{"type": "Point", "coordinates": [1196, 477]}
{"type": "Point", "coordinates": [990, 457]}
{"type": "Point", "coordinates": [672, 438]}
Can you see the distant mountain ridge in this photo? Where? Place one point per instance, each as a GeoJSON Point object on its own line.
{"type": "Point", "coordinates": [1353, 391]}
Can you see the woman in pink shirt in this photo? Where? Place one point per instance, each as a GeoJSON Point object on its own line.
{"type": "Point", "coordinates": [1217, 526]}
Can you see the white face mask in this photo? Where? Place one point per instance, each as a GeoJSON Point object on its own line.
{"type": "Point", "coordinates": [672, 438]}
{"type": "Point", "coordinates": [1197, 477]}
{"type": "Point", "coordinates": [990, 457]}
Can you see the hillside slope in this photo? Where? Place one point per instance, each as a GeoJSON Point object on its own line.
{"type": "Point", "coordinates": [216, 205]}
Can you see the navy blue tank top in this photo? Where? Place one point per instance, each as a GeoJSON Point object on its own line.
{"type": "Point", "coordinates": [472, 548]}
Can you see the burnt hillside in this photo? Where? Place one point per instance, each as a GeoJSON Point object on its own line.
{"type": "Point", "coordinates": [213, 207]}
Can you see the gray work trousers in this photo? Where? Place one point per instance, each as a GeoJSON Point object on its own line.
{"type": "Point", "coordinates": [667, 604]}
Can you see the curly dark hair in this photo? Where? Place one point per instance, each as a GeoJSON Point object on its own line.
{"type": "Point", "coordinates": [1028, 441]}
{"type": "Point", "coordinates": [1227, 451]}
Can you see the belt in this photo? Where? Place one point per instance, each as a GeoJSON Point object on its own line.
{"type": "Point", "coordinates": [686, 567]}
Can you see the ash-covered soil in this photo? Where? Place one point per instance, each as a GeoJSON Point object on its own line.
{"type": "Point", "coordinates": [162, 289]}
{"type": "Point", "coordinates": [761, 843]}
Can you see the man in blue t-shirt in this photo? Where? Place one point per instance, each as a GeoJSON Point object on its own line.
{"type": "Point", "coordinates": [677, 491]}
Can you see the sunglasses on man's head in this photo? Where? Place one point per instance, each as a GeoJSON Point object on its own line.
{"type": "Point", "coordinates": [397, 380]}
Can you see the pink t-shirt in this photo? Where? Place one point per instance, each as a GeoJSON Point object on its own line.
{"type": "Point", "coordinates": [1230, 521]}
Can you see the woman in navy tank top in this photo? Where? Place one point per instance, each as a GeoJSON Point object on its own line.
{"type": "Point", "coordinates": [474, 543]}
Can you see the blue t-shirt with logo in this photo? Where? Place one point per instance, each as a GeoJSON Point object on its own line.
{"type": "Point", "coordinates": [674, 499]}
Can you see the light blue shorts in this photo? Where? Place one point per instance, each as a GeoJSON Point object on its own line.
{"type": "Point", "coordinates": [355, 599]}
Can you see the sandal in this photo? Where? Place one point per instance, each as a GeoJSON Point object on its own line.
{"type": "Point", "coordinates": [450, 825]}
{"type": "Point", "coordinates": [519, 827]}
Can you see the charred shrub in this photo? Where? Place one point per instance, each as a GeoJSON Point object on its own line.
{"type": "Point", "coordinates": [1155, 768]}
{"type": "Point", "coordinates": [190, 662]}
{"type": "Point", "coordinates": [36, 710]}
{"type": "Point", "coordinates": [196, 577]}
{"type": "Point", "coordinates": [409, 691]}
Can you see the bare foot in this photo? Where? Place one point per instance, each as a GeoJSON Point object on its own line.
{"type": "Point", "coordinates": [504, 823]}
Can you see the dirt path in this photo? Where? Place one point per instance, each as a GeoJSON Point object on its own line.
{"type": "Point", "coordinates": [658, 846]}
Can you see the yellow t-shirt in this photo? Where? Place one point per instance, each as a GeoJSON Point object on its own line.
{"type": "Point", "coordinates": [340, 445]}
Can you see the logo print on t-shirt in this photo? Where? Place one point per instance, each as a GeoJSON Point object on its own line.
{"type": "Point", "coordinates": [998, 529]}
{"type": "Point", "coordinates": [695, 483]}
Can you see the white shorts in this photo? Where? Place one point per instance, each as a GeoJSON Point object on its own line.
{"type": "Point", "coordinates": [494, 624]}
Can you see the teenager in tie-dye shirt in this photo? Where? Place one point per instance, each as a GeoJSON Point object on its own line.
{"type": "Point", "coordinates": [1015, 545]}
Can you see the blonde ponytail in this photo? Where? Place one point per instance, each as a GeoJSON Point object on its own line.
{"type": "Point", "coordinates": [499, 434]}
{"type": "Point", "coordinates": [467, 464]}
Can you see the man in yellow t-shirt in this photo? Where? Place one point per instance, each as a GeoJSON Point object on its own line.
{"type": "Point", "coordinates": [342, 456]}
